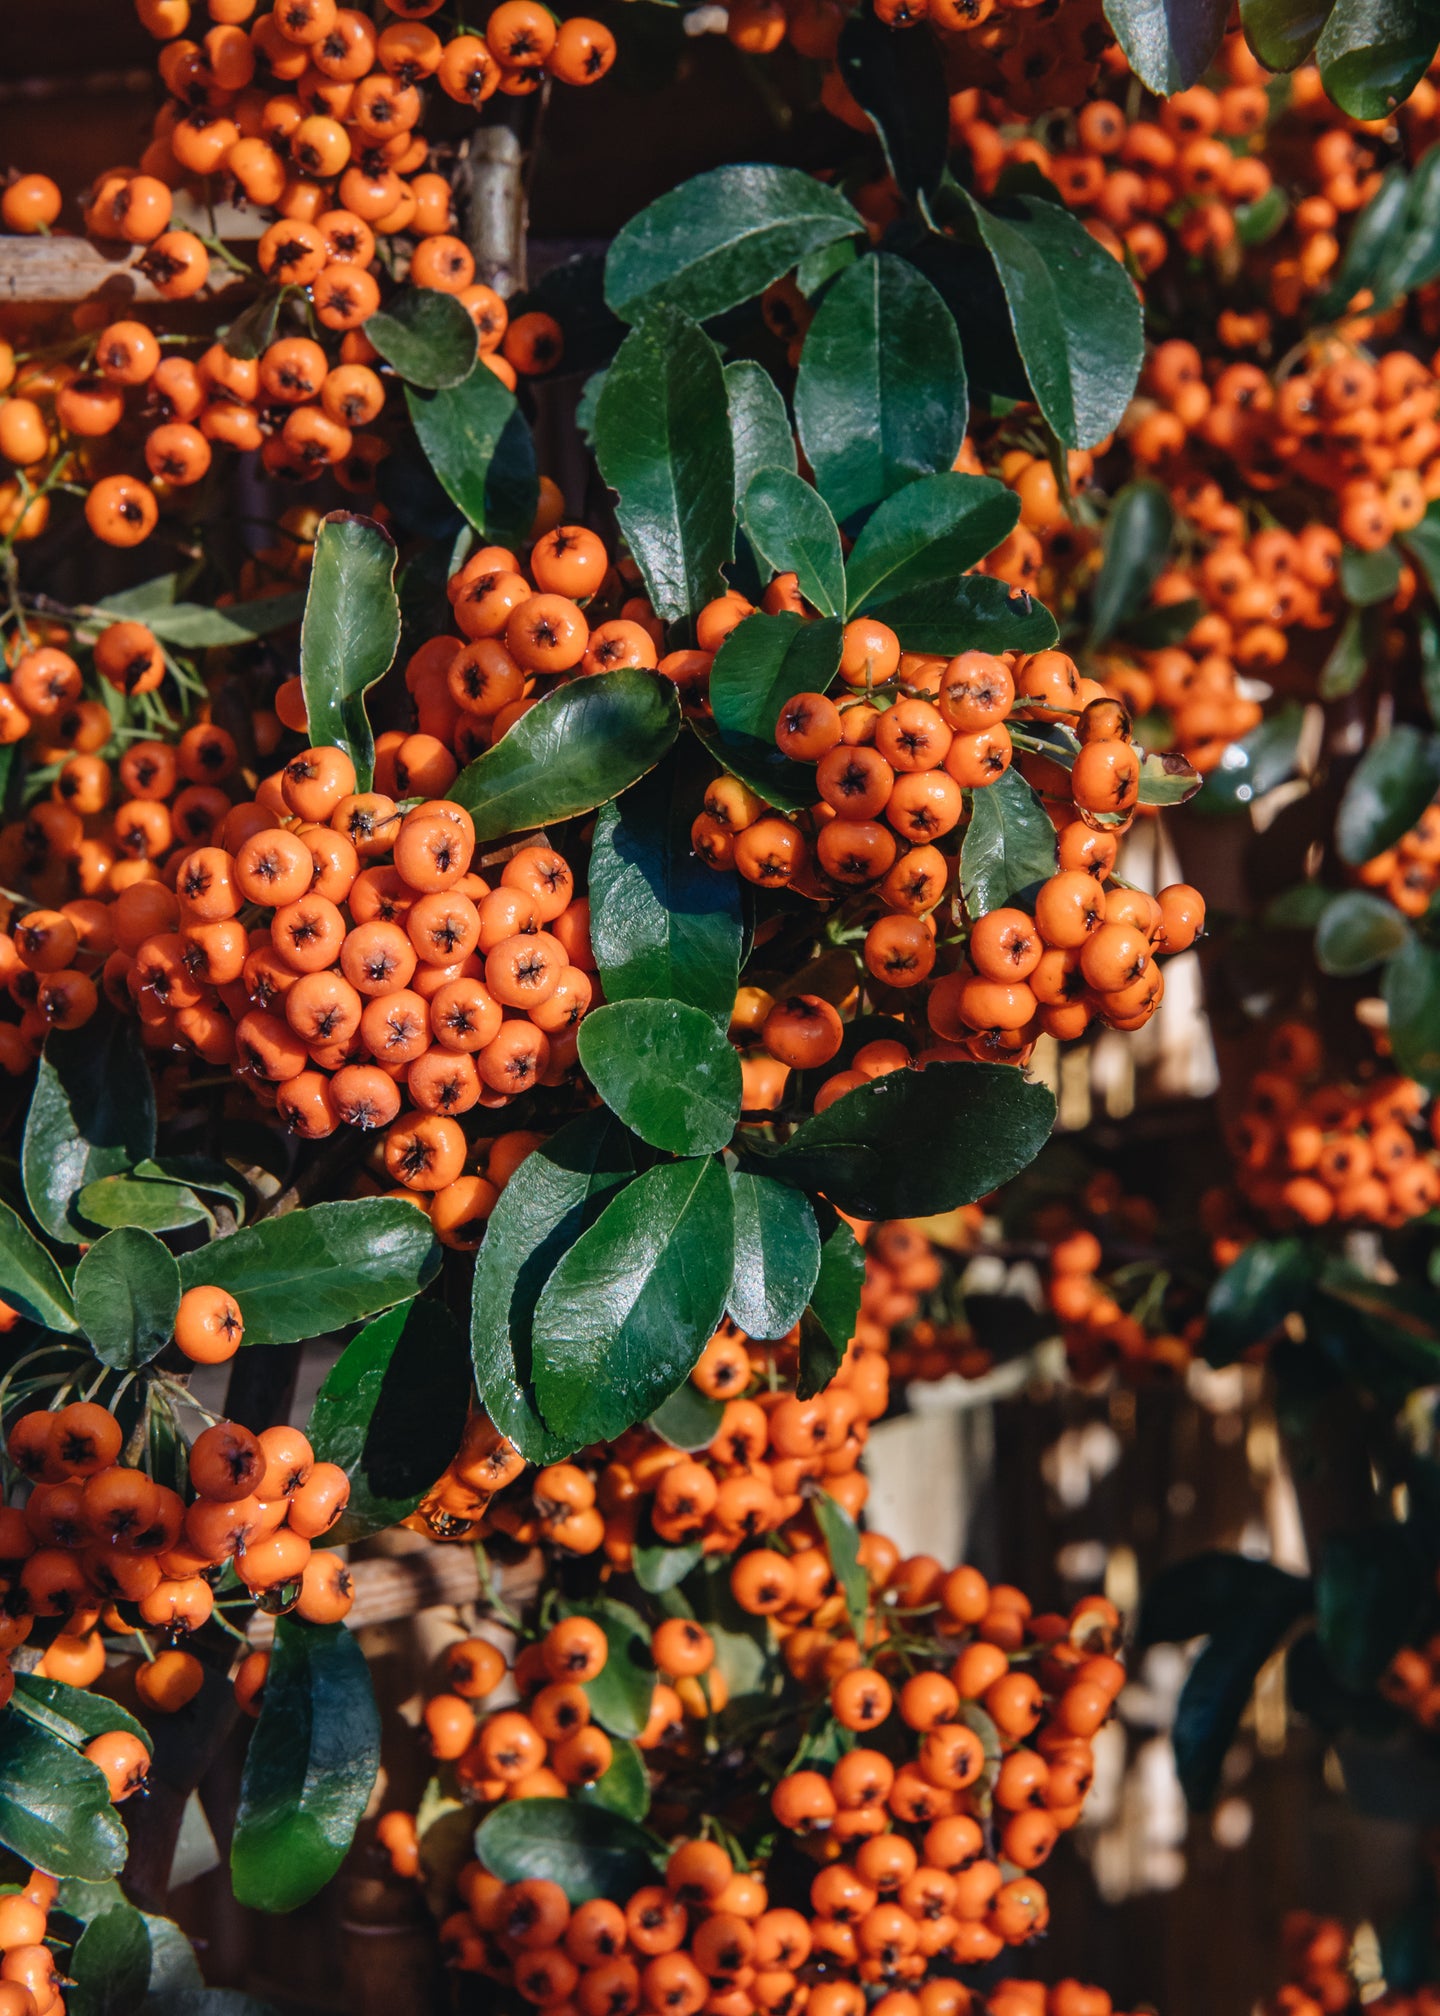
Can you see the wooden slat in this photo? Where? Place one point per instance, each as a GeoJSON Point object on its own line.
{"type": "Point", "coordinates": [65, 269]}
{"type": "Point", "coordinates": [390, 1587]}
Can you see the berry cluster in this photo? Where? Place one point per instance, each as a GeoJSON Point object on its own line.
{"type": "Point", "coordinates": [28, 1973]}
{"type": "Point", "coordinates": [1408, 874]}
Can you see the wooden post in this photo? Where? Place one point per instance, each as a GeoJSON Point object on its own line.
{"type": "Point", "coordinates": [494, 209]}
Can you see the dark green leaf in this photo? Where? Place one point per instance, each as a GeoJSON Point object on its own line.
{"type": "Point", "coordinates": [1422, 543]}
{"type": "Point", "coordinates": [1283, 32]}
{"type": "Point", "coordinates": [1298, 908]}
{"type": "Point", "coordinates": [1169, 48]}
{"type": "Point", "coordinates": [191, 626]}
{"type": "Point", "coordinates": [557, 1192]}
{"type": "Point", "coordinates": [587, 1850]}
{"type": "Point", "coordinates": [624, 1788]}
{"type": "Point", "coordinates": [777, 1255]}
{"type": "Point", "coordinates": [1413, 257]}
{"type": "Point", "coordinates": [1138, 531]}
{"type": "Point", "coordinates": [1371, 1589]}
{"type": "Point", "coordinates": [1372, 53]}
{"type": "Point", "coordinates": [1348, 659]}
{"type": "Point", "coordinates": [73, 1714]}
{"type": "Point", "coordinates": [760, 436]}
{"type": "Point", "coordinates": [817, 269]}
{"type": "Point", "coordinates": [390, 1412]}
{"type": "Point", "coordinates": [1411, 990]}
{"type": "Point", "coordinates": [688, 1419]}
{"type": "Point", "coordinates": [198, 1172]}
{"type": "Point", "coordinates": [253, 329]}
{"type": "Point", "coordinates": [111, 1964]}
{"type": "Point", "coordinates": [628, 1310]}
{"type": "Point", "coordinates": [765, 661]}
{"type": "Point", "coordinates": [1258, 222]}
{"type": "Point", "coordinates": [92, 1114]}
{"type": "Point", "coordinates": [1256, 763]}
{"type": "Point", "coordinates": [894, 76]}
{"type": "Point", "coordinates": [828, 1325]}
{"type": "Point", "coordinates": [309, 1770]}
{"type": "Point", "coordinates": [577, 749]}
{"type": "Point", "coordinates": [667, 1070]}
{"type": "Point", "coordinates": [1165, 623]}
{"type": "Point", "coordinates": [880, 394]}
{"type": "Point", "coordinates": [1073, 308]}
{"type": "Point", "coordinates": [1203, 1594]}
{"type": "Point", "coordinates": [319, 1269]}
{"type": "Point", "coordinates": [1356, 931]}
{"type": "Point", "coordinates": [1271, 1279]}
{"type": "Point", "coordinates": [662, 442]}
{"type": "Point", "coordinates": [33, 1283]}
{"type": "Point", "coordinates": [1375, 230]}
{"type": "Point", "coordinates": [721, 238]}
{"type": "Point", "coordinates": [842, 1543]}
{"type": "Point", "coordinates": [350, 634]}
{"type": "Point", "coordinates": [1369, 577]}
{"type": "Point", "coordinates": [657, 1569]}
{"type": "Point", "coordinates": [127, 1290]}
{"type": "Point", "coordinates": [968, 612]}
{"type": "Point", "coordinates": [621, 1692]}
{"type": "Point", "coordinates": [1390, 787]}
{"type": "Point", "coordinates": [55, 1808]}
{"type": "Point", "coordinates": [1214, 1696]}
{"type": "Point", "coordinates": [662, 924]}
{"type": "Point", "coordinates": [427, 335]}
{"type": "Point", "coordinates": [915, 1142]}
{"type": "Point", "coordinates": [476, 441]}
{"type": "Point", "coordinates": [930, 531]}
{"type": "Point", "coordinates": [127, 1200]}
{"type": "Point", "coordinates": [791, 530]}
{"type": "Point", "coordinates": [1009, 843]}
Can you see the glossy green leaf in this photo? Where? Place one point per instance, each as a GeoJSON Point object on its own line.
{"type": "Point", "coordinates": [1219, 1684]}
{"type": "Point", "coordinates": [1422, 543]}
{"type": "Point", "coordinates": [1258, 222]}
{"type": "Point", "coordinates": [668, 1071]}
{"type": "Point", "coordinates": [894, 76]}
{"type": "Point", "coordinates": [662, 924]}
{"type": "Point", "coordinates": [390, 1413]}
{"type": "Point", "coordinates": [32, 1282]}
{"type": "Point", "coordinates": [1167, 623]}
{"type": "Point", "coordinates": [967, 612]}
{"type": "Point", "coordinates": [621, 1692]}
{"type": "Point", "coordinates": [760, 436]}
{"type": "Point", "coordinates": [127, 1290]}
{"type": "Point", "coordinates": [915, 1142]}
{"type": "Point", "coordinates": [578, 748]}
{"type": "Point", "coordinates": [687, 1419]}
{"type": "Point", "coordinates": [1411, 990]}
{"type": "Point", "coordinates": [191, 626]}
{"type": "Point", "coordinates": [828, 1325]}
{"type": "Point", "coordinates": [842, 1543]}
{"type": "Point", "coordinates": [625, 1315]}
{"type": "Point", "coordinates": [557, 1192]}
{"type": "Point", "coordinates": [126, 1200]}
{"type": "Point", "coordinates": [74, 1714]}
{"type": "Point", "coordinates": [1369, 577]}
{"type": "Point", "coordinates": [1169, 48]}
{"type": "Point", "coordinates": [721, 238]}
{"type": "Point", "coordinates": [625, 1787]}
{"type": "Point", "coordinates": [880, 395]}
{"type": "Point", "coordinates": [1371, 1591]}
{"type": "Point", "coordinates": [1205, 1592]}
{"type": "Point", "coordinates": [1283, 32]}
{"type": "Point", "coordinates": [320, 1268]}
{"type": "Point", "coordinates": [1412, 257]}
{"type": "Point", "coordinates": [201, 1173]}
{"type": "Point", "coordinates": [1138, 531]}
{"type": "Point", "coordinates": [110, 1965]}
{"type": "Point", "coordinates": [1271, 1279]}
{"type": "Point", "coordinates": [55, 1808]}
{"type": "Point", "coordinates": [92, 1114]}
{"type": "Point", "coordinates": [309, 1769]}
{"type": "Point", "coordinates": [765, 661]}
{"type": "Point", "coordinates": [1356, 931]}
{"type": "Point", "coordinates": [777, 1255]}
{"type": "Point", "coordinates": [657, 1569]}
{"type": "Point", "coordinates": [1348, 659]}
{"type": "Point", "coordinates": [790, 527]}
{"type": "Point", "coordinates": [427, 335]}
{"type": "Point", "coordinates": [1375, 230]}
{"type": "Point", "coordinates": [1256, 763]}
{"type": "Point", "coordinates": [662, 442]}
{"type": "Point", "coordinates": [1073, 308]}
{"type": "Point", "coordinates": [1009, 843]}
{"type": "Point", "coordinates": [930, 531]}
{"type": "Point", "coordinates": [817, 269]}
{"type": "Point", "coordinates": [1372, 53]}
{"type": "Point", "coordinates": [350, 634]}
{"type": "Point", "coordinates": [1388, 790]}
{"type": "Point", "coordinates": [476, 440]}
{"type": "Point", "coordinates": [587, 1850]}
